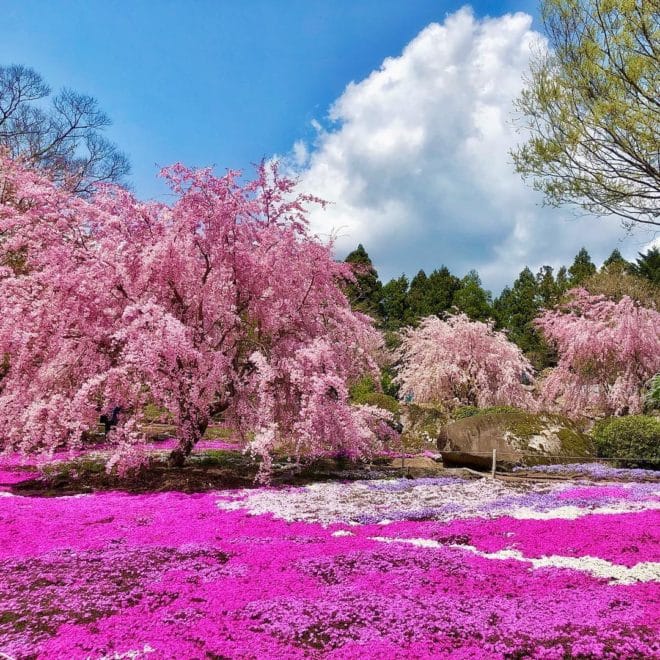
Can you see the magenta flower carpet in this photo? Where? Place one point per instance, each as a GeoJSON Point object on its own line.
{"type": "Point", "coordinates": [374, 569]}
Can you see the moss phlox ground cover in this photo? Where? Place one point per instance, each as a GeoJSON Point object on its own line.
{"type": "Point", "coordinates": [381, 569]}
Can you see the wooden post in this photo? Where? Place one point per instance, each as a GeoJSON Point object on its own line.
{"type": "Point", "coordinates": [492, 470]}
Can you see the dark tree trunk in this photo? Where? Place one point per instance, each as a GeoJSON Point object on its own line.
{"type": "Point", "coordinates": [190, 434]}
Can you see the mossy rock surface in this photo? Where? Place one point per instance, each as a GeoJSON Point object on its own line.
{"type": "Point", "coordinates": [421, 425]}
{"type": "Point", "coordinates": [520, 438]}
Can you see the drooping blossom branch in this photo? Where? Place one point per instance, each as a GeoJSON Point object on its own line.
{"type": "Point", "coordinates": [462, 362]}
{"type": "Point", "coordinates": [220, 305]}
{"type": "Point", "coordinates": [607, 351]}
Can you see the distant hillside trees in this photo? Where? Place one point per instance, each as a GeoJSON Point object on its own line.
{"type": "Point", "coordinates": [401, 302]}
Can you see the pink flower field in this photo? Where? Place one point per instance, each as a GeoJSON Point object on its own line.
{"type": "Point", "coordinates": [435, 567]}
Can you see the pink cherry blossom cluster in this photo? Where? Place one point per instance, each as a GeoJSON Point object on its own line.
{"type": "Point", "coordinates": [462, 362]}
{"type": "Point", "coordinates": [607, 351]}
{"type": "Point", "coordinates": [218, 305]}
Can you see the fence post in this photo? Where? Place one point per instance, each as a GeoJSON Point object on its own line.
{"type": "Point", "coordinates": [492, 470]}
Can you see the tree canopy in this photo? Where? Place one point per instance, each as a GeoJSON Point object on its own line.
{"type": "Point", "coordinates": [607, 351]}
{"type": "Point", "coordinates": [462, 362]}
{"type": "Point", "coordinates": [364, 291]}
{"type": "Point", "coordinates": [219, 305]}
{"type": "Point", "coordinates": [472, 299]}
{"type": "Point", "coordinates": [592, 108]}
{"type": "Point", "coordinates": [648, 265]}
{"type": "Point", "coordinates": [581, 268]}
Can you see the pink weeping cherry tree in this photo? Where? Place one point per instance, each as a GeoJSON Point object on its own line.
{"type": "Point", "coordinates": [220, 305]}
{"type": "Point", "coordinates": [457, 362]}
{"type": "Point", "coordinates": [607, 351]}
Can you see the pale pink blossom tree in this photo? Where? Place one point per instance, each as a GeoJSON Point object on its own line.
{"type": "Point", "coordinates": [607, 351]}
{"type": "Point", "coordinates": [220, 305]}
{"type": "Point", "coordinates": [457, 361]}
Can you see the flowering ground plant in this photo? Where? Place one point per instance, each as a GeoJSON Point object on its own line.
{"type": "Point", "coordinates": [435, 567]}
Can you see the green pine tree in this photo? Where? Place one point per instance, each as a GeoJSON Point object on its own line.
{"type": "Point", "coordinates": [648, 265]}
{"type": "Point", "coordinates": [365, 293]}
{"type": "Point", "coordinates": [547, 287]}
{"type": "Point", "coordinates": [394, 303]}
{"type": "Point", "coordinates": [417, 298]}
{"type": "Point", "coordinates": [432, 294]}
{"type": "Point", "coordinates": [441, 287]}
{"type": "Point", "coordinates": [518, 306]}
{"type": "Point", "coordinates": [582, 268]}
{"type": "Point", "coordinates": [616, 261]}
{"type": "Point", "coordinates": [563, 283]}
{"type": "Point", "coordinates": [472, 299]}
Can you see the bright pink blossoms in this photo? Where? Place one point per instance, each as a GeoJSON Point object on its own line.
{"type": "Point", "coordinates": [458, 361]}
{"type": "Point", "coordinates": [220, 304]}
{"type": "Point", "coordinates": [607, 351]}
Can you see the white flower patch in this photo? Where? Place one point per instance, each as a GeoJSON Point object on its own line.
{"type": "Point", "coordinates": [129, 655]}
{"type": "Point", "coordinates": [355, 502]}
{"type": "Point", "coordinates": [386, 501]}
{"type": "Point", "coordinates": [647, 571]}
{"type": "Point", "coordinates": [574, 512]}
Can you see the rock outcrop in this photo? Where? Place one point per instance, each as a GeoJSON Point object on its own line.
{"type": "Point", "coordinates": [520, 438]}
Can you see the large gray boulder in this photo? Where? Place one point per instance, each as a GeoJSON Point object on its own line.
{"type": "Point", "coordinates": [520, 438]}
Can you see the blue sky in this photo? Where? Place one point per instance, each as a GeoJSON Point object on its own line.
{"type": "Point", "coordinates": [229, 83]}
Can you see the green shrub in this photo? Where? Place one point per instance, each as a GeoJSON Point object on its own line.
{"type": "Point", "coordinates": [465, 411]}
{"type": "Point", "coordinates": [422, 424]}
{"type": "Point", "coordinates": [380, 400]}
{"type": "Point", "coordinates": [635, 440]}
{"type": "Point", "coordinates": [652, 399]}
{"type": "Point", "coordinates": [364, 393]}
{"type": "Point", "coordinates": [387, 382]}
{"type": "Point", "coordinates": [361, 388]}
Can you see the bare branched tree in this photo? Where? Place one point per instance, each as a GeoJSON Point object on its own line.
{"type": "Point", "coordinates": [60, 134]}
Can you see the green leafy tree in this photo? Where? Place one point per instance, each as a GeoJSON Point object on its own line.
{"type": "Point", "coordinates": [365, 293]}
{"type": "Point", "coordinates": [648, 265]}
{"type": "Point", "coordinates": [615, 260]}
{"type": "Point", "coordinates": [547, 288]}
{"type": "Point", "coordinates": [472, 299]}
{"type": "Point", "coordinates": [591, 105]}
{"type": "Point", "coordinates": [516, 308]}
{"type": "Point", "coordinates": [581, 269]}
{"type": "Point", "coordinates": [394, 303]}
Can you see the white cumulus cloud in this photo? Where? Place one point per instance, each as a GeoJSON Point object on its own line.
{"type": "Point", "coordinates": [415, 160]}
